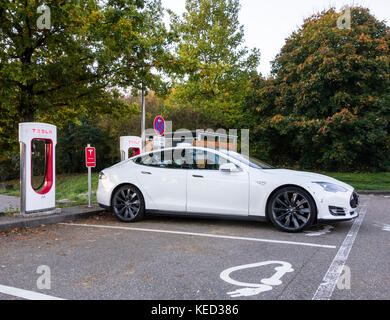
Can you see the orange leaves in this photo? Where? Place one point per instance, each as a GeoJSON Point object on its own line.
{"type": "Point", "coordinates": [277, 118]}
{"type": "Point", "coordinates": [324, 130]}
{"type": "Point", "coordinates": [343, 117]}
{"type": "Point", "coordinates": [344, 114]}
{"type": "Point", "coordinates": [364, 37]}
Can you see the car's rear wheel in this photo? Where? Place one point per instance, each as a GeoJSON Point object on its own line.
{"type": "Point", "coordinates": [128, 204]}
{"type": "Point", "coordinates": [291, 209]}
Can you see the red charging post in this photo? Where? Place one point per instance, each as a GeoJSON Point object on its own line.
{"type": "Point", "coordinates": [90, 162]}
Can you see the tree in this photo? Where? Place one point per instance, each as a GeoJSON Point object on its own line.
{"type": "Point", "coordinates": [327, 102]}
{"type": "Point", "coordinates": [129, 127]}
{"type": "Point", "coordinates": [213, 67]}
{"type": "Point", "coordinates": [70, 58]}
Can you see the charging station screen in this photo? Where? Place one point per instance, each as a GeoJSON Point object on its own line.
{"type": "Point", "coordinates": [41, 165]}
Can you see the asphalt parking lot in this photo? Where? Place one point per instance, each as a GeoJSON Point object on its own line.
{"type": "Point", "coordinates": [177, 258]}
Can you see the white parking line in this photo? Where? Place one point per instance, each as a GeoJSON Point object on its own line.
{"type": "Point", "coordinates": [25, 294]}
{"type": "Point", "coordinates": [203, 235]}
{"type": "Point", "coordinates": [326, 288]}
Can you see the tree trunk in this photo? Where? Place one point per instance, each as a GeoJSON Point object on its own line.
{"type": "Point", "coordinates": [26, 105]}
{"type": "Point", "coordinates": [26, 108]}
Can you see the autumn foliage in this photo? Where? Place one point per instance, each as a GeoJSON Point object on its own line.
{"type": "Point", "coordinates": [327, 103]}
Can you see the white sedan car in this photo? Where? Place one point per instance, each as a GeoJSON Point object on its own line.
{"type": "Point", "coordinates": [197, 181]}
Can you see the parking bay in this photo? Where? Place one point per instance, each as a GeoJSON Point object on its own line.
{"type": "Point", "coordinates": [176, 258]}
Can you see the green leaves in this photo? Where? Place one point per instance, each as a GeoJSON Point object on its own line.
{"type": "Point", "coordinates": [329, 86]}
{"type": "Point", "coordinates": [213, 66]}
{"type": "Point", "coordinates": [93, 50]}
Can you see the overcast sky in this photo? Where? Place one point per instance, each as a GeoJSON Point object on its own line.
{"type": "Point", "coordinates": [268, 22]}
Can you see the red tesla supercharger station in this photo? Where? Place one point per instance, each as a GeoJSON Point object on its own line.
{"type": "Point", "coordinates": [130, 146]}
{"type": "Point", "coordinates": [37, 167]}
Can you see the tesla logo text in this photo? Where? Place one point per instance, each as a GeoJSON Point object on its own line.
{"type": "Point", "coordinates": [42, 131]}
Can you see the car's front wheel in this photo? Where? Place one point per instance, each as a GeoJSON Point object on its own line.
{"type": "Point", "coordinates": [128, 204]}
{"type": "Point", "coordinates": [291, 209]}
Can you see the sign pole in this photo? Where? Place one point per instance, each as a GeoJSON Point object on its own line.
{"type": "Point", "coordinates": [89, 184]}
{"type": "Point", "coordinates": [143, 119]}
{"type": "Point", "coordinates": [90, 161]}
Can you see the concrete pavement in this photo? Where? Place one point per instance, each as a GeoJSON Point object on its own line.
{"type": "Point", "coordinates": [175, 258]}
{"type": "Point", "coordinates": [9, 203]}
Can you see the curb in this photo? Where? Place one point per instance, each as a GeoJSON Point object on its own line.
{"type": "Point", "coordinates": [375, 192]}
{"type": "Point", "coordinates": [69, 213]}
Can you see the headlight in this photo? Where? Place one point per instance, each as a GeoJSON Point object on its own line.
{"type": "Point", "coordinates": [331, 187]}
{"type": "Point", "coordinates": [101, 175]}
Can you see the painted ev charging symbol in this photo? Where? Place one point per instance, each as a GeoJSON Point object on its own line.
{"type": "Point", "coordinates": [252, 289]}
{"type": "Point", "coordinates": [324, 229]}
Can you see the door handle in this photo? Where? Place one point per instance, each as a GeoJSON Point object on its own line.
{"type": "Point", "coordinates": [146, 172]}
{"type": "Point", "coordinates": [197, 176]}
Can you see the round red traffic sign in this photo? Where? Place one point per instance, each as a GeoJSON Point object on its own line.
{"type": "Point", "coordinates": [159, 125]}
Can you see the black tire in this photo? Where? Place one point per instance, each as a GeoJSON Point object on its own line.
{"type": "Point", "coordinates": [291, 209]}
{"type": "Point", "coordinates": [128, 204]}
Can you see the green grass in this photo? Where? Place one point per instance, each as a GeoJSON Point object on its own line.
{"type": "Point", "coordinates": [68, 186]}
{"type": "Point", "coordinates": [9, 211]}
{"type": "Point", "coordinates": [363, 181]}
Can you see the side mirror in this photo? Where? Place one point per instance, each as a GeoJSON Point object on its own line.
{"type": "Point", "coordinates": [229, 167]}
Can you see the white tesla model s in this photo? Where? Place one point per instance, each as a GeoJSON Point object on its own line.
{"type": "Point", "coordinates": [197, 181]}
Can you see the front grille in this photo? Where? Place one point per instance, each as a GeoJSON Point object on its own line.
{"type": "Point", "coordinates": [337, 211]}
{"type": "Point", "coordinates": [354, 202]}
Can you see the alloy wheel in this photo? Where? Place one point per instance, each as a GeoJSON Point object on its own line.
{"type": "Point", "coordinates": [126, 203]}
{"type": "Point", "coordinates": [291, 210]}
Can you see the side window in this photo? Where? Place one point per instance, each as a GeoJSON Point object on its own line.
{"type": "Point", "coordinates": [171, 159]}
{"type": "Point", "coordinates": [153, 159]}
{"type": "Point", "coordinates": [207, 160]}
{"type": "Point", "coordinates": [183, 158]}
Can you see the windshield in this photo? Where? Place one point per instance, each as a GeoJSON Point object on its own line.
{"type": "Point", "coordinates": [251, 162]}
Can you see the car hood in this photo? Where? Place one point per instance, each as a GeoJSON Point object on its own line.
{"type": "Point", "coordinates": [116, 165]}
{"type": "Point", "coordinates": [308, 176]}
